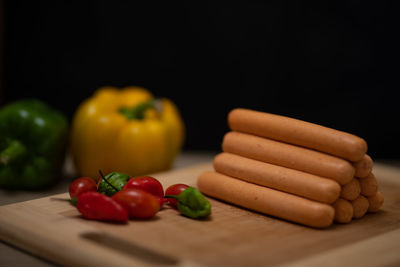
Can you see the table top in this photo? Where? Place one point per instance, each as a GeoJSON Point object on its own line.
{"type": "Point", "coordinates": [13, 256]}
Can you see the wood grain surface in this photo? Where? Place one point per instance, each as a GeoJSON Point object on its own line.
{"type": "Point", "coordinates": [232, 236]}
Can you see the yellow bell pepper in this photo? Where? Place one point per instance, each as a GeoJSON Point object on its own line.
{"type": "Point", "coordinates": [125, 130]}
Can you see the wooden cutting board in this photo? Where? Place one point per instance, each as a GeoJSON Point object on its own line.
{"type": "Point", "coordinates": [233, 236]}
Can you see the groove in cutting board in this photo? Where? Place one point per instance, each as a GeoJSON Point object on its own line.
{"type": "Point", "coordinates": [129, 248]}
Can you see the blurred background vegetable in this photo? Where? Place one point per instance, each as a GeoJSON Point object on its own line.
{"type": "Point", "coordinates": [125, 130]}
{"type": "Point", "coordinates": [32, 144]}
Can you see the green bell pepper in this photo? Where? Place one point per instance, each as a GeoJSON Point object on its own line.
{"type": "Point", "coordinates": [32, 144]}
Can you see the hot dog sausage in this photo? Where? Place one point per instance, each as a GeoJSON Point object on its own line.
{"type": "Point", "coordinates": [363, 167]}
{"type": "Point", "coordinates": [277, 177]}
{"type": "Point", "coordinates": [351, 190]}
{"type": "Point", "coordinates": [266, 200]}
{"type": "Point", "coordinates": [369, 185]}
{"type": "Point", "coordinates": [375, 202]}
{"type": "Point", "coordinates": [343, 211]}
{"type": "Point", "coordinates": [360, 206]}
{"type": "Point", "coordinates": [298, 132]}
{"type": "Point", "coordinates": [287, 155]}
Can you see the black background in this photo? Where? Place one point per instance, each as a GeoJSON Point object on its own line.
{"type": "Point", "coordinates": [328, 62]}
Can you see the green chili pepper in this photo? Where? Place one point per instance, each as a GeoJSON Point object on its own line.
{"type": "Point", "coordinates": [112, 183]}
{"type": "Point", "coordinates": [192, 203]}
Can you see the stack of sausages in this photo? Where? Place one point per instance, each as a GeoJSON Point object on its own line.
{"type": "Point", "coordinates": [293, 170]}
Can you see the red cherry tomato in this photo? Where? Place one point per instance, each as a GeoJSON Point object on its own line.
{"type": "Point", "coordinates": [138, 203]}
{"type": "Point", "coordinates": [175, 190]}
{"type": "Point", "coordinates": [96, 206]}
{"type": "Point", "coordinates": [148, 184]}
{"type": "Point", "coordinates": [82, 185]}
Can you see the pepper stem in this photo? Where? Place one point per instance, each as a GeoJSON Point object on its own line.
{"type": "Point", "coordinates": [12, 152]}
{"type": "Point", "coordinates": [171, 196]}
{"type": "Point", "coordinates": [105, 179]}
{"type": "Point", "coordinates": [137, 112]}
